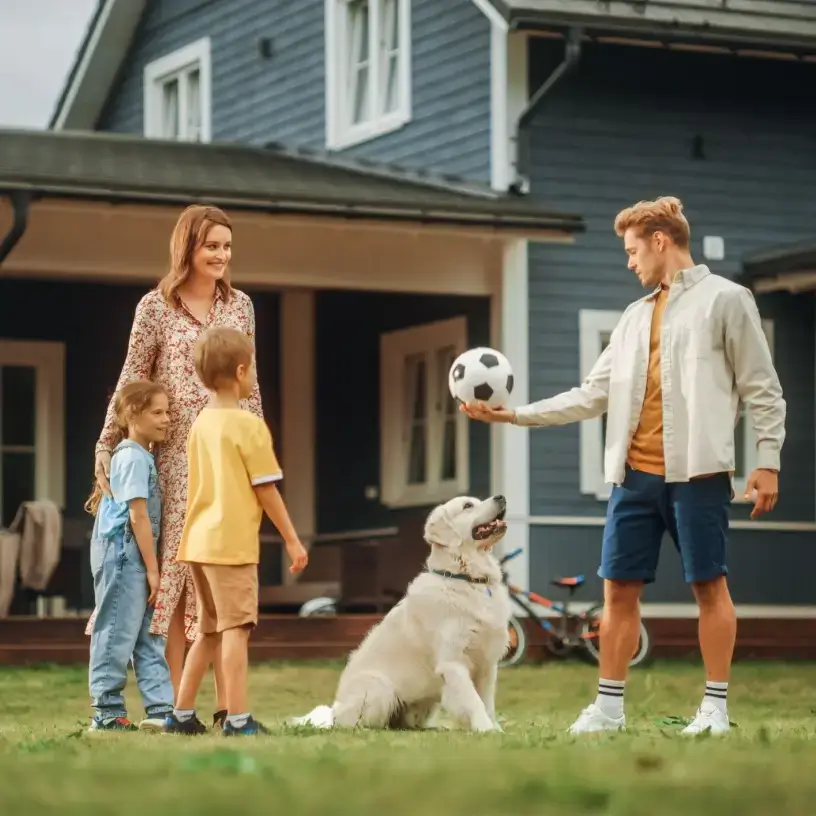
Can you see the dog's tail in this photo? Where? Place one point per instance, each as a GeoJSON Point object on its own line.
{"type": "Point", "coordinates": [371, 703]}
{"type": "Point", "coordinates": [320, 717]}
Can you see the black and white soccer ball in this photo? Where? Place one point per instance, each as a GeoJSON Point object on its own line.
{"type": "Point", "coordinates": [481, 374]}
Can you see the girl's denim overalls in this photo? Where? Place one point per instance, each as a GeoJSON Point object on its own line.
{"type": "Point", "coordinates": [121, 630]}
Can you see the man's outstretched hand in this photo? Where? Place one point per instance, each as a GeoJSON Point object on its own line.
{"type": "Point", "coordinates": [483, 412]}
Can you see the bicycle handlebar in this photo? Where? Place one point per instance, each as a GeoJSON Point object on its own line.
{"type": "Point", "coordinates": [511, 554]}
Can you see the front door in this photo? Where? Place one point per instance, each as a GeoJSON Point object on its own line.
{"type": "Point", "coordinates": [31, 424]}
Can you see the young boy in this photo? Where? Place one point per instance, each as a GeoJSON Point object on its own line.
{"type": "Point", "coordinates": [232, 476]}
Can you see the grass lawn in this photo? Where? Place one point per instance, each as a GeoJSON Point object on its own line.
{"type": "Point", "coordinates": [766, 766]}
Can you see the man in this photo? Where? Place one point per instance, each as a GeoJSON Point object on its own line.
{"type": "Point", "coordinates": [679, 363]}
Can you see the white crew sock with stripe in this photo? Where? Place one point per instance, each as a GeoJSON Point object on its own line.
{"type": "Point", "coordinates": [610, 697]}
{"type": "Point", "coordinates": [716, 694]}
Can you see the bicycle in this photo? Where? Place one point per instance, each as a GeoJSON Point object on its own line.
{"type": "Point", "coordinates": [572, 632]}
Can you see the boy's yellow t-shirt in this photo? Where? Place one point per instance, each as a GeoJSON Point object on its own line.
{"type": "Point", "coordinates": [229, 450]}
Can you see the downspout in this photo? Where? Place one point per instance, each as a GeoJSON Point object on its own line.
{"type": "Point", "coordinates": [20, 201]}
{"type": "Point", "coordinates": [572, 57]}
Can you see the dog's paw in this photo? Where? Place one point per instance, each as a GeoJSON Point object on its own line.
{"type": "Point", "coordinates": [484, 726]}
{"type": "Point", "coordinates": [497, 727]}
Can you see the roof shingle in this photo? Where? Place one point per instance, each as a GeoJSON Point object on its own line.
{"type": "Point", "coordinates": [113, 167]}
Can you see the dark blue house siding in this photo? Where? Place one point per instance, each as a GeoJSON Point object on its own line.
{"type": "Point", "coordinates": [622, 129]}
{"type": "Point", "coordinates": [282, 99]}
{"type": "Point", "coordinates": [764, 567]}
{"type": "Point", "coordinates": [450, 128]}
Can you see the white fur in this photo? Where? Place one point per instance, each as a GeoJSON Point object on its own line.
{"type": "Point", "coordinates": [441, 644]}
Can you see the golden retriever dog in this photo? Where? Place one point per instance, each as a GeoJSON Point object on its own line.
{"type": "Point", "coordinates": [439, 647]}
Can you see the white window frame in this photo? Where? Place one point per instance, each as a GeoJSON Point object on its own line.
{"type": "Point", "coordinates": [593, 324]}
{"type": "Point", "coordinates": [395, 435]}
{"type": "Point", "coordinates": [340, 132]}
{"type": "Point", "coordinates": [173, 66]}
{"type": "Point", "coordinates": [48, 361]}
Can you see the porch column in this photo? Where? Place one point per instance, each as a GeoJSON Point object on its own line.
{"type": "Point", "coordinates": [297, 384]}
{"type": "Point", "coordinates": [510, 445]}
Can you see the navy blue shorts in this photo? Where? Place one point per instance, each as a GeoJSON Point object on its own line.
{"type": "Point", "coordinates": [644, 507]}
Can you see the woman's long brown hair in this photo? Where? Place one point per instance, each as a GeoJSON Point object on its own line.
{"type": "Point", "coordinates": [189, 234]}
{"type": "Point", "coordinates": [129, 401]}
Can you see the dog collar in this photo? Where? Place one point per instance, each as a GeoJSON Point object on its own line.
{"type": "Point", "coordinates": [461, 576]}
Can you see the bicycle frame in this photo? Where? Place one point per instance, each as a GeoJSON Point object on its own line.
{"type": "Point", "coordinates": [525, 598]}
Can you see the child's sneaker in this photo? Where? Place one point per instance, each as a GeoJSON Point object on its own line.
{"type": "Point", "coordinates": [250, 728]}
{"type": "Point", "coordinates": [112, 724]}
{"type": "Point", "coordinates": [191, 727]}
{"type": "Point", "coordinates": [219, 718]}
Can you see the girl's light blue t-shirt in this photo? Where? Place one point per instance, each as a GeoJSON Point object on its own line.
{"type": "Point", "coordinates": [131, 469]}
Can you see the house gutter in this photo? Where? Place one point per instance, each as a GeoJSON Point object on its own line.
{"type": "Point", "coordinates": [572, 56]}
{"type": "Point", "coordinates": [383, 212]}
{"type": "Point", "coordinates": [20, 201]}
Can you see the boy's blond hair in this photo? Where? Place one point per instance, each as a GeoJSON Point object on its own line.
{"type": "Point", "coordinates": [664, 214]}
{"type": "Point", "coordinates": [218, 353]}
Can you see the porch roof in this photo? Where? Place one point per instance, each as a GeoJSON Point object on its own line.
{"type": "Point", "coordinates": [780, 22]}
{"type": "Point", "coordinates": [783, 268]}
{"type": "Point", "coordinates": [132, 169]}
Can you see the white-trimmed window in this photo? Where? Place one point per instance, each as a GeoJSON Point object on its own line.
{"type": "Point", "coordinates": [368, 69]}
{"type": "Point", "coordinates": [178, 94]}
{"type": "Point", "coordinates": [595, 327]}
{"type": "Point", "coordinates": [424, 438]}
{"type": "Point", "coordinates": [32, 440]}
{"type": "Point", "coordinates": [595, 330]}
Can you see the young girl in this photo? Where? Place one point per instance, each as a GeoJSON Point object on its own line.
{"type": "Point", "coordinates": [125, 567]}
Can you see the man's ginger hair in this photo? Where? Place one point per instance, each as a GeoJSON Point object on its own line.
{"type": "Point", "coordinates": [664, 214]}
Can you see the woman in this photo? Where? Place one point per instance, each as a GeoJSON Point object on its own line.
{"type": "Point", "coordinates": [194, 295]}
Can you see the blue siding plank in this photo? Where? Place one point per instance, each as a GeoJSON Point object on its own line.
{"type": "Point", "coordinates": [282, 99]}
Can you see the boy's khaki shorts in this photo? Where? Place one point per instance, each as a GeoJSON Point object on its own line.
{"type": "Point", "coordinates": [226, 596]}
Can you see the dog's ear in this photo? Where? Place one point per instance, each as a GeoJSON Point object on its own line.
{"type": "Point", "coordinates": [435, 525]}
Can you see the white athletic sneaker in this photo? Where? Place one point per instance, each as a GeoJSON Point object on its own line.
{"type": "Point", "coordinates": [592, 720]}
{"type": "Point", "coordinates": [708, 718]}
{"type": "Point", "coordinates": [155, 723]}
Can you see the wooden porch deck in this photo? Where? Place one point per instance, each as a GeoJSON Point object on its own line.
{"type": "Point", "coordinates": [286, 637]}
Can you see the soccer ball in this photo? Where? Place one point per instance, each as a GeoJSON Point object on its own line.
{"type": "Point", "coordinates": [482, 374]}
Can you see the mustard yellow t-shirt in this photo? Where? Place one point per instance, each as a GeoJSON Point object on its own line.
{"type": "Point", "coordinates": [646, 447]}
{"type": "Point", "coordinates": [229, 451]}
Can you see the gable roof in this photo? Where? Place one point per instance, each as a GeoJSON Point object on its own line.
{"type": "Point", "coordinates": [97, 62]}
{"type": "Point", "coordinates": [777, 22]}
{"type": "Point", "coordinates": [126, 168]}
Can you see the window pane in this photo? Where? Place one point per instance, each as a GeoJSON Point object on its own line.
{"type": "Point", "coordinates": [170, 109]}
{"type": "Point", "coordinates": [17, 405]}
{"type": "Point", "coordinates": [194, 105]}
{"type": "Point", "coordinates": [389, 44]}
{"type": "Point", "coordinates": [392, 85]}
{"type": "Point", "coordinates": [449, 413]}
{"type": "Point", "coordinates": [416, 461]}
{"type": "Point", "coordinates": [358, 60]}
{"type": "Point", "coordinates": [416, 391]}
{"type": "Point", "coordinates": [739, 448]}
{"type": "Point", "coordinates": [605, 339]}
{"type": "Point", "coordinates": [360, 96]}
{"type": "Point", "coordinates": [17, 480]}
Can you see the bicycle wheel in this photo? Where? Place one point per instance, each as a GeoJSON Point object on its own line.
{"type": "Point", "coordinates": [318, 608]}
{"type": "Point", "coordinates": [517, 645]}
{"type": "Point", "coordinates": [591, 640]}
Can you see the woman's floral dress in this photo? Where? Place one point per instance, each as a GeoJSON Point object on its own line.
{"type": "Point", "coordinates": [161, 349]}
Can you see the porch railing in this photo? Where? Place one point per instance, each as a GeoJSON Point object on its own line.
{"type": "Point", "coordinates": [361, 581]}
